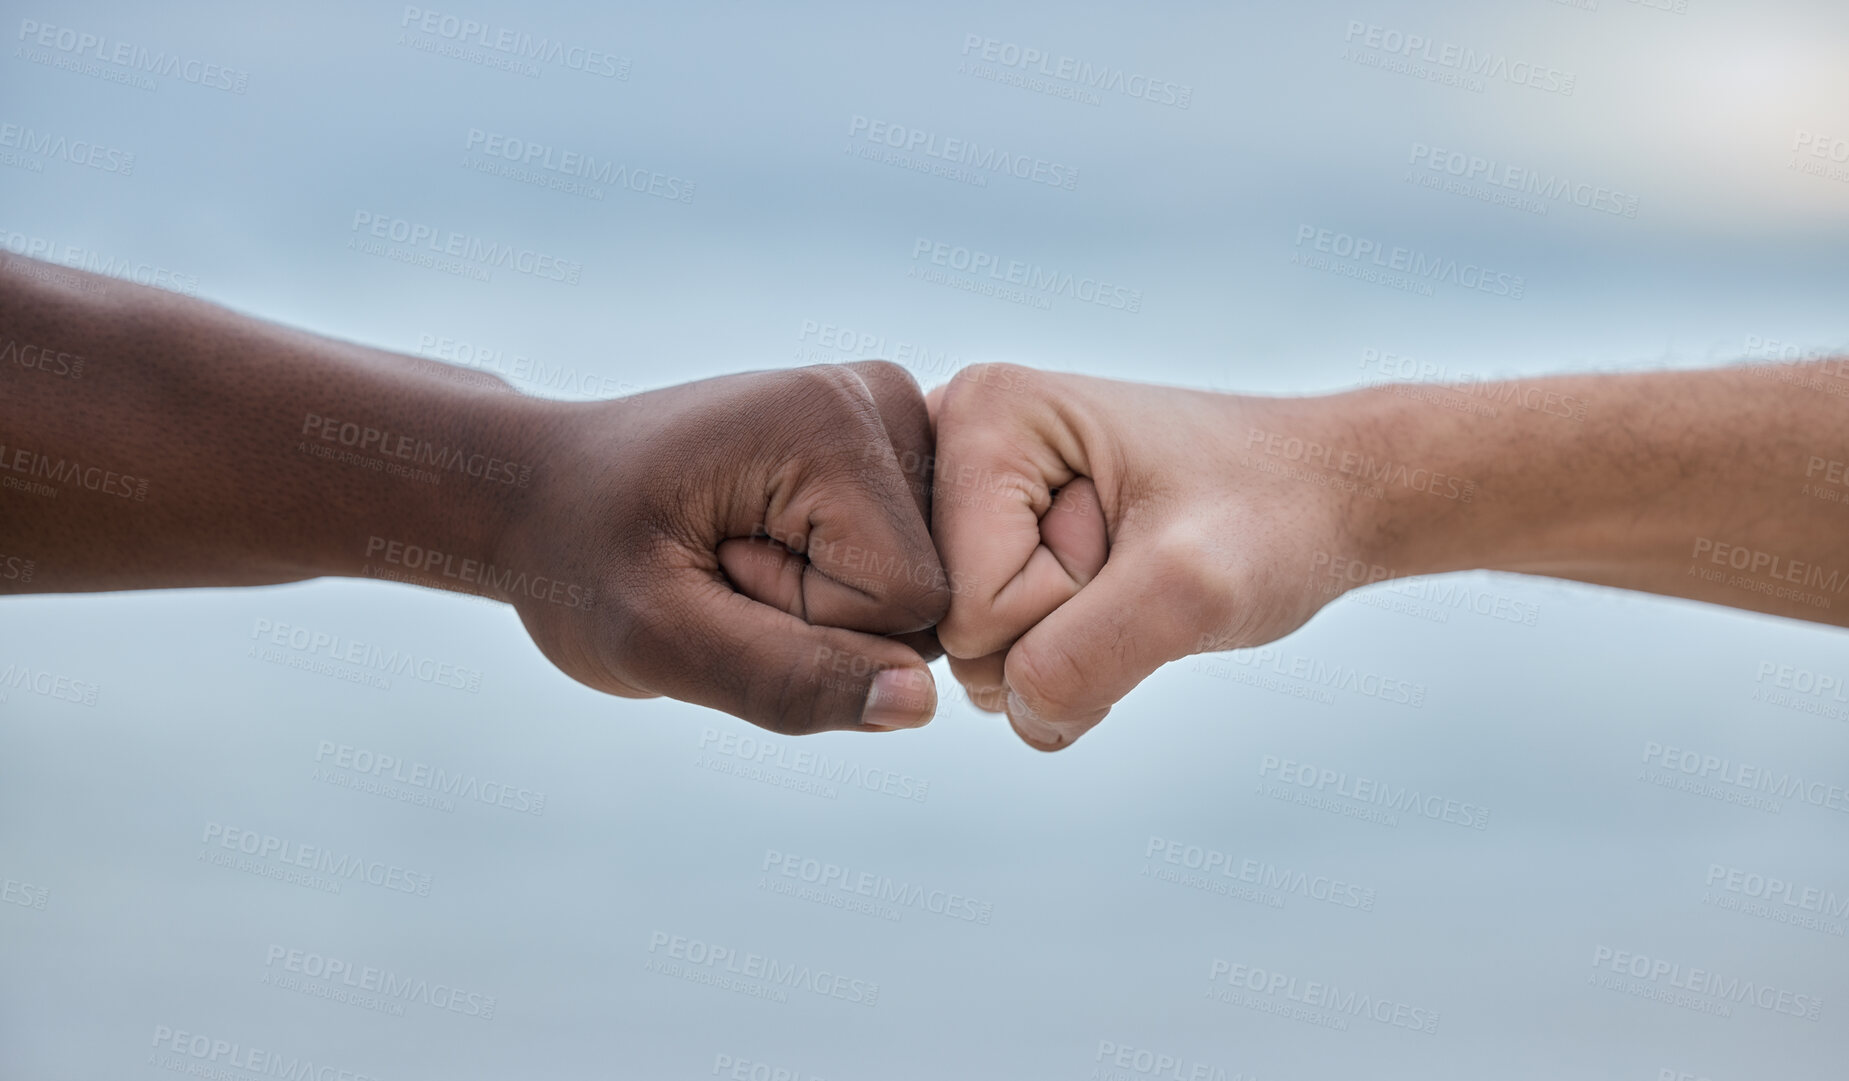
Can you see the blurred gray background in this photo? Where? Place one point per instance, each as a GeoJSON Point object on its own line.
{"type": "Point", "coordinates": [1021, 916]}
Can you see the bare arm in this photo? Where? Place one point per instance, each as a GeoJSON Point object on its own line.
{"type": "Point", "coordinates": [1188, 521]}
{"type": "Point", "coordinates": [148, 440]}
{"type": "Point", "coordinates": [1724, 485]}
{"type": "Point", "coordinates": [153, 440]}
{"type": "Point", "coordinates": [1720, 485]}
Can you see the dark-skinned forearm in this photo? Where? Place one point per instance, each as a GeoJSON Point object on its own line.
{"type": "Point", "coordinates": [151, 440]}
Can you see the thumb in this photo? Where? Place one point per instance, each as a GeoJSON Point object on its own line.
{"type": "Point", "coordinates": [716, 647]}
{"type": "Point", "coordinates": [1148, 606]}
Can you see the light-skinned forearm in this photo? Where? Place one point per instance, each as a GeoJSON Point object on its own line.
{"type": "Point", "coordinates": [1728, 485]}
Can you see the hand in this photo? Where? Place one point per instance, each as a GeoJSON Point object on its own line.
{"type": "Point", "coordinates": [757, 544]}
{"type": "Point", "coordinates": [1098, 529]}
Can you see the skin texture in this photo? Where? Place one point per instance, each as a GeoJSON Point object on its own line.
{"type": "Point", "coordinates": [756, 543]}
{"type": "Point", "coordinates": [1188, 521]}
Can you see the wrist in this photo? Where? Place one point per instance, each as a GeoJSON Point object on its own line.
{"type": "Point", "coordinates": [1315, 465]}
{"type": "Point", "coordinates": [454, 472]}
{"type": "Point", "coordinates": [547, 541]}
{"type": "Point", "coordinates": [1418, 496]}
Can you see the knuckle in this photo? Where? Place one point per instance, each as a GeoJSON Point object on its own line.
{"type": "Point", "coordinates": [828, 386]}
{"type": "Point", "coordinates": [832, 412]}
{"type": "Point", "coordinates": [1002, 375]}
{"type": "Point", "coordinates": [974, 384]}
{"type": "Point", "coordinates": [952, 635]}
{"type": "Point", "coordinates": [926, 592]}
{"type": "Point", "coordinates": [1188, 572]}
{"type": "Point", "coordinates": [782, 701]}
{"type": "Point", "coordinates": [885, 374]}
{"type": "Point", "coordinates": [792, 699]}
{"type": "Point", "coordinates": [966, 631]}
{"type": "Point", "coordinates": [1048, 678]}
